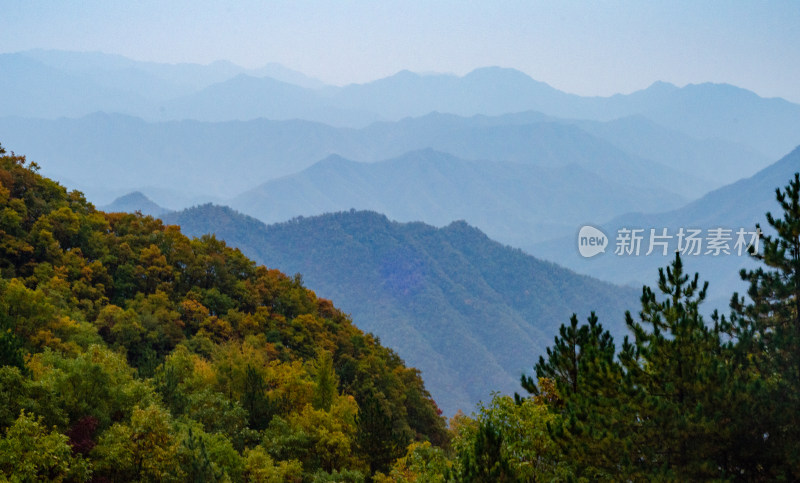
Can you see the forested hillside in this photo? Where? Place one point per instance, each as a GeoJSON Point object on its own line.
{"type": "Point", "coordinates": [131, 352]}
{"type": "Point", "coordinates": [466, 310]}
{"type": "Point", "coordinates": [681, 397]}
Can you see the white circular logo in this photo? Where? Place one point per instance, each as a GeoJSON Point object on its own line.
{"type": "Point", "coordinates": [591, 241]}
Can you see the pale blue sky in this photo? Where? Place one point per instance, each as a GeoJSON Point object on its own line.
{"type": "Point", "coordinates": [590, 48]}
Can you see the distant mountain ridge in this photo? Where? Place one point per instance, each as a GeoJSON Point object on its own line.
{"type": "Point", "coordinates": [471, 313]}
{"type": "Point", "coordinates": [53, 84]}
{"type": "Point", "coordinates": [515, 203]}
{"type": "Point", "coordinates": [50, 83]}
{"type": "Point", "coordinates": [739, 205]}
{"type": "Point", "coordinates": [224, 159]}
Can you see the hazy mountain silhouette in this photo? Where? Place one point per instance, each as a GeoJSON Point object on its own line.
{"type": "Point", "coordinates": [513, 202]}
{"type": "Point", "coordinates": [50, 84]}
{"type": "Point", "coordinates": [739, 205]}
{"type": "Point", "coordinates": [245, 97]}
{"type": "Point", "coordinates": [134, 202]}
{"type": "Point", "coordinates": [31, 89]}
{"type": "Point", "coordinates": [714, 160]}
{"type": "Point", "coordinates": [225, 159]}
{"type": "Point", "coordinates": [53, 83]}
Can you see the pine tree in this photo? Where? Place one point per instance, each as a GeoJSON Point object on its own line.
{"type": "Point", "coordinates": [198, 468]}
{"type": "Point", "coordinates": [773, 318]}
{"type": "Point", "coordinates": [590, 399]}
{"type": "Point", "coordinates": [485, 461]}
{"type": "Point", "coordinates": [676, 367]}
{"type": "Point", "coordinates": [11, 350]}
{"type": "Point", "coordinates": [325, 381]}
{"type": "Point", "coordinates": [663, 408]}
{"type": "Point", "coordinates": [575, 346]}
{"type": "Point", "coordinates": [254, 399]}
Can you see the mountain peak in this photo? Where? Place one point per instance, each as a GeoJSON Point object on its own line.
{"type": "Point", "coordinates": [662, 86]}
{"type": "Point", "coordinates": [132, 202]}
{"type": "Point", "coordinates": [497, 70]}
{"type": "Point", "coordinates": [504, 75]}
{"type": "Point", "coordinates": [335, 160]}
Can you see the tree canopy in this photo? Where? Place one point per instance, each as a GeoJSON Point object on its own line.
{"type": "Point", "coordinates": [130, 352]}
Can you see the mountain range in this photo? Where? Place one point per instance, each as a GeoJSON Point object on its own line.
{"type": "Point", "coordinates": [471, 313]}
{"type": "Point", "coordinates": [516, 203]}
{"type": "Point", "coordinates": [736, 206]}
{"type": "Point", "coordinates": [221, 160]}
{"type": "Point", "coordinates": [51, 84]}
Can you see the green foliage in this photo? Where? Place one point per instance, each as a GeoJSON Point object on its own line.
{"type": "Point", "coordinates": [155, 357]}
{"type": "Point", "coordinates": [130, 352]}
{"type": "Point", "coordinates": [11, 353]}
{"type": "Point", "coordinates": [486, 461]}
{"type": "Point", "coordinates": [29, 452]}
{"type": "Point", "coordinates": [422, 462]}
{"type": "Point", "coordinates": [452, 301]}
{"type": "Point", "coordinates": [142, 449]}
{"type": "Point", "coordinates": [208, 457]}
{"type": "Point", "coordinates": [769, 328]}
{"type": "Point", "coordinates": [684, 398]}
{"type": "Point", "coordinates": [509, 440]}
{"type": "Point", "coordinates": [574, 352]}
{"type": "Point", "coordinates": [325, 381]}
{"type": "Point", "coordinates": [260, 467]}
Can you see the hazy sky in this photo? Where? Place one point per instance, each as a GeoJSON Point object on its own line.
{"type": "Point", "coordinates": [591, 47]}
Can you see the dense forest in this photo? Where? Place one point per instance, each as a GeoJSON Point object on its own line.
{"type": "Point", "coordinates": [131, 352]}
{"type": "Point", "coordinates": [466, 310]}
{"type": "Point", "coordinates": [681, 398]}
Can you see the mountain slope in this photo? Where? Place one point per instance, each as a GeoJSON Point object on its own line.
{"type": "Point", "coordinates": [469, 312]}
{"type": "Point", "coordinates": [487, 90]}
{"type": "Point", "coordinates": [515, 203]}
{"type": "Point", "coordinates": [704, 111]}
{"type": "Point", "coordinates": [52, 84]}
{"type": "Point", "coordinates": [709, 111]}
{"type": "Point", "coordinates": [715, 160]}
{"type": "Point", "coordinates": [121, 336]}
{"type": "Point", "coordinates": [225, 159]}
{"type": "Point", "coordinates": [739, 205]}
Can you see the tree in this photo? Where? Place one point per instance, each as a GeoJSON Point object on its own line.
{"type": "Point", "coordinates": [29, 452]}
{"type": "Point", "coordinates": [772, 321]}
{"type": "Point", "coordinates": [376, 435]}
{"type": "Point", "coordinates": [143, 449]}
{"type": "Point", "coordinates": [526, 448]}
{"type": "Point", "coordinates": [255, 401]}
{"type": "Point", "coordinates": [486, 460]}
{"type": "Point", "coordinates": [261, 468]}
{"type": "Point", "coordinates": [325, 381]}
{"type": "Point", "coordinates": [208, 457]}
{"type": "Point", "coordinates": [665, 407]}
{"type": "Point", "coordinates": [422, 463]}
{"type": "Point", "coordinates": [680, 380]}
{"type": "Point", "coordinates": [568, 359]}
